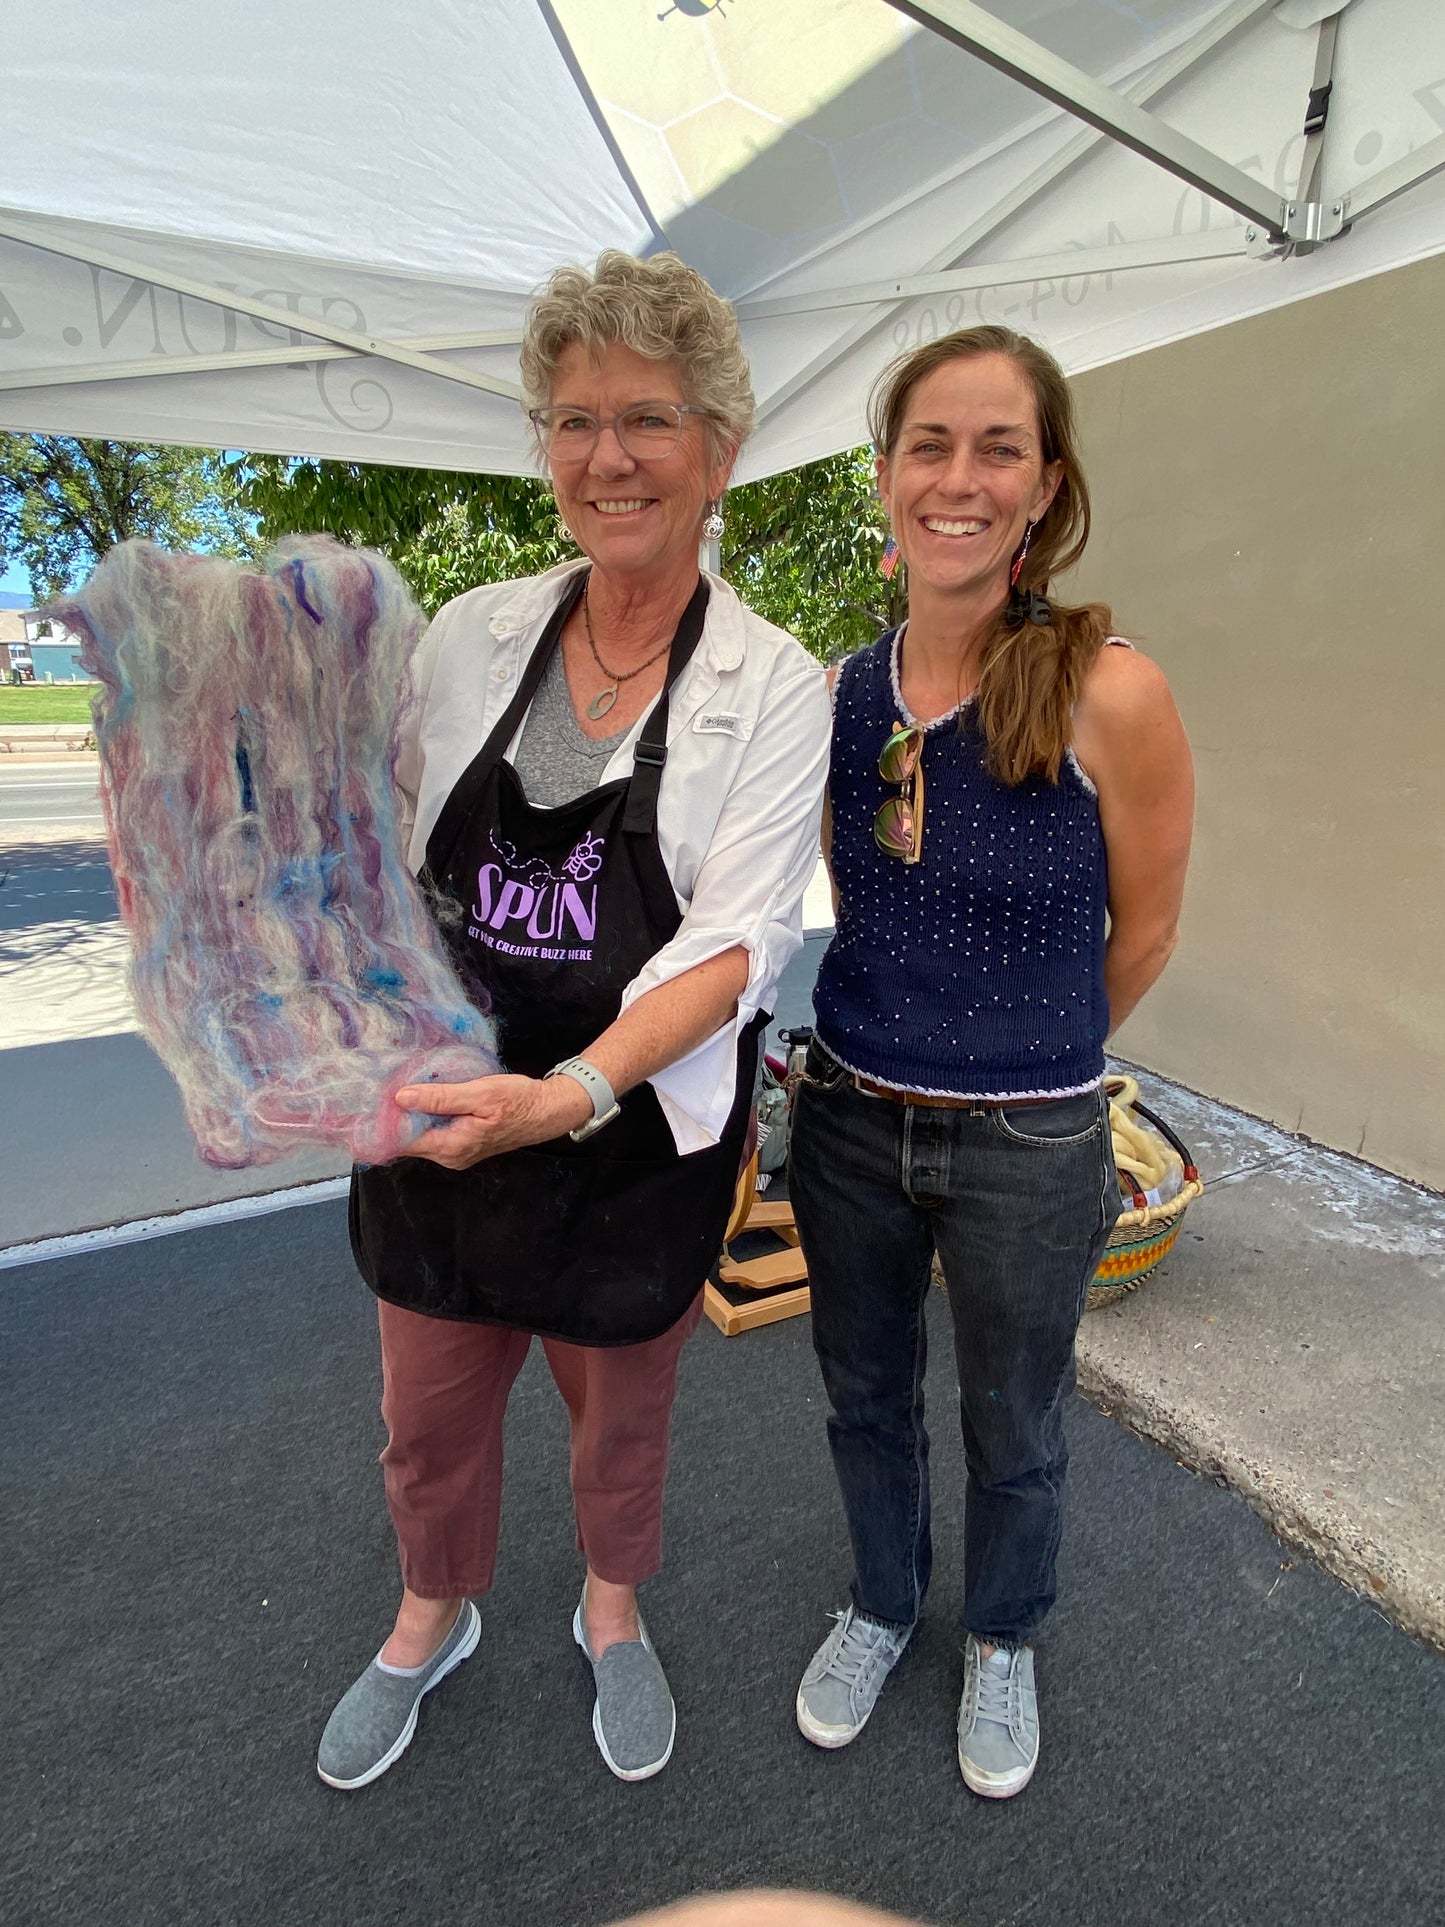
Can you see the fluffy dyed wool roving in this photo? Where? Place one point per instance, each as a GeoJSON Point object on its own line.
{"type": "Point", "coordinates": [285, 966]}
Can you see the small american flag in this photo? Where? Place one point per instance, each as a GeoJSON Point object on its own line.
{"type": "Point", "coordinates": [888, 561]}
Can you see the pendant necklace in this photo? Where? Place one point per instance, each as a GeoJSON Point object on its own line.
{"type": "Point", "coordinates": [605, 698]}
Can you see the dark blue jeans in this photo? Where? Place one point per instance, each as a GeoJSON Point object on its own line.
{"type": "Point", "coordinates": [1018, 1204]}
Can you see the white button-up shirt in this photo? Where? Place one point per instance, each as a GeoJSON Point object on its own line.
{"type": "Point", "coordinates": [739, 809]}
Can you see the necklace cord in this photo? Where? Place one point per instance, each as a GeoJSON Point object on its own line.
{"type": "Point", "coordinates": [615, 676]}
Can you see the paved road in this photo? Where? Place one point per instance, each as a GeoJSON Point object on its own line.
{"type": "Point", "coordinates": [40, 796]}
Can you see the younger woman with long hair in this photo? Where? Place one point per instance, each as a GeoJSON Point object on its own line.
{"type": "Point", "coordinates": [1009, 817]}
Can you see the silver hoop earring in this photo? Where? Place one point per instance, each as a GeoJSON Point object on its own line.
{"type": "Point", "coordinates": [713, 523]}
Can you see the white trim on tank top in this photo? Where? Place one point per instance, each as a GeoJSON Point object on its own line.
{"type": "Point", "coordinates": [968, 1097]}
{"type": "Point", "coordinates": [937, 722]}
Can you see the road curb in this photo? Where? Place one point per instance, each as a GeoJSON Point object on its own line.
{"type": "Point", "coordinates": [13, 755]}
{"type": "Point", "coordinates": [1330, 1536]}
{"type": "Point", "coordinates": [196, 1217]}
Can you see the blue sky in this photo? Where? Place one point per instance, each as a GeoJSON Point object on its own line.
{"type": "Point", "coordinates": [15, 579]}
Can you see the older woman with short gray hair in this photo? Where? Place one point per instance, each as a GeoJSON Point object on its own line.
{"type": "Point", "coordinates": [615, 773]}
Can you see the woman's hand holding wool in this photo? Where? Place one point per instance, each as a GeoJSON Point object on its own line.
{"type": "Point", "coordinates": [491, 1115]}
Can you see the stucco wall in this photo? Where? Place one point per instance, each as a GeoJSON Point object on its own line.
{"type": "Point", "coordinates": [1269, 501]}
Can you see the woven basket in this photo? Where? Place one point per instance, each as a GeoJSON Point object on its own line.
{"type": "Point", "coordinates": [1145, 1232]}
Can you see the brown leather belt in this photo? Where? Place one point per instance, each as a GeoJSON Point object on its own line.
{"type": "Point", "coordinates": [949, 1103]}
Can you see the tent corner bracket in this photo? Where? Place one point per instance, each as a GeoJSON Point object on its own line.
{"type": "Point", "coordinates": [1309, 224]}
{"type": "Point", "coordinates": [1304, 226]}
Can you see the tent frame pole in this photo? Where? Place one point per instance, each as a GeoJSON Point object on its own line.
{"type": "Point", "coordinates": [1171, 69]}
{"type": "Point", "coordinates": [1318, 109]}
{"type": "Point", "coordinates": [1407, 172]}
{"type": "Point", "coordinates": [1297, 226]}
{"type": "Point", "coordinates": [1066, 265]}
{"type": "Point", "coordinates": [301, 354]}
{"type": "Point", "coordinates": [1012, 53]}
{"type": "Point", "coordinates": [38, 235]}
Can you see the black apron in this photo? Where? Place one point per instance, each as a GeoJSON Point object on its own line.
{"type": "Point", "coordinates": [548, 914]}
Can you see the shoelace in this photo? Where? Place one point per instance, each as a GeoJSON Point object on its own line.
{"type": "Point", "coordinates": [861, 1647]}
{"type": "Point", "coordinates": [997, 1697]}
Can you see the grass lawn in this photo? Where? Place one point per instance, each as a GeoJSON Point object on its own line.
{"type": "Point", "coordinates": [46, 702]}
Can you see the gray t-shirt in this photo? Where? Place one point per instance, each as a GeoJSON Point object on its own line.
{"type": "Point", "coordinates": [556, 761]}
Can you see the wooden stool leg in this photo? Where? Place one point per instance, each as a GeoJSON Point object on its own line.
{"type": "Point", "coordinates": [768, 1274]}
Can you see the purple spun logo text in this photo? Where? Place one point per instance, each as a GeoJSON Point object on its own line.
{"type": "Point", "coordinates": [527, 909]}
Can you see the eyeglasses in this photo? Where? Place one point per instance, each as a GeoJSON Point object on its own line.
{"type": "Point", "coordinates": [647, 431]}
{"type": "Point", "coordinates": [898, 826]}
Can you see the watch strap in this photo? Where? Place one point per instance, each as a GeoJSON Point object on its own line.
{"type": "Point", "coordinates": [604, 1101]}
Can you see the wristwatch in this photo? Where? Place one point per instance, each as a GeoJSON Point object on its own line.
{"type": "Point", "coordinates": [604, 1105]}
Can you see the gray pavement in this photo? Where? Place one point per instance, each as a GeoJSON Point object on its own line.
{"type": "Point", "coordinates": [198, 1561]}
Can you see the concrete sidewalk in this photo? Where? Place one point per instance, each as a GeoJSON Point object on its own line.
{"type": "Point", "coordinates": [1292, 1346]}
{"type": "Point", "coordinates": [48, 739]}
{"type": "Point", "coordinates": [63, 953]}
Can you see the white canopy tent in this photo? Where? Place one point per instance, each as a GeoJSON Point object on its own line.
{"type": "Point", "coordinates": [311, 226]}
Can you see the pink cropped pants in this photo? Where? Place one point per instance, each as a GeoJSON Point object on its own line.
{"type": "Point", "coordinates": [445, 1388]}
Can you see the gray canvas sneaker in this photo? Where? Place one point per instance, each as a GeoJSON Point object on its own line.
{"type": "Point", "coordinates": [845, 1677]}
{"type": "Point", "coordinates": [374, 1720]}
{"type": "Point", "coordinates": [998, 1721]}
{"type": "Point", "coordinates": [633, 1719]}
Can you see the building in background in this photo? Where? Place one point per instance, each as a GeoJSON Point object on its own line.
{"type": "Point", "coordinates": [15, 657]}
{"type": "Point", "coordinates": [36, 645]}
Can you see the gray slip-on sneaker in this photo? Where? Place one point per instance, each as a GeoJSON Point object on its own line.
{"type": "Point", "coordinates": [845, 1676]}
{"type": "Point", "coordinates": [634, 1720]}
{"type": "Point", "coordinates": [375, 1718]}
{"type": "Point", "coordinates": [998, 1721]}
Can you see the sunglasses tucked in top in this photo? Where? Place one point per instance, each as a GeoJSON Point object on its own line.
{"type": "Point", "coordinates": [647, 430]}
{"type": "Point", "coordinates": [898, 826]}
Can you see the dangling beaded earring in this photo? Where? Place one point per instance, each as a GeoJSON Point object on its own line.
{"type": "Point", "coordinates": [1025, 605]}
{"type": "Point", "coordinates": [713, 523]}
{"type": "Point", "coordinates": [1018, 562]}
{"type": "Point", "coordinates": [888, 561]}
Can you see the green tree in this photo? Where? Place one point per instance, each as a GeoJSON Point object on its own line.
{"type": "Point", "coordinates": [445, 531]}
{"type": "Point", "coordinates": [802, 549]}
{"type": "Point", "coordinates": [64, 502]}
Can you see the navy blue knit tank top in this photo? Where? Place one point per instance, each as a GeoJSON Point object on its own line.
{"type": "Point", "coordinates": [978, 971]}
